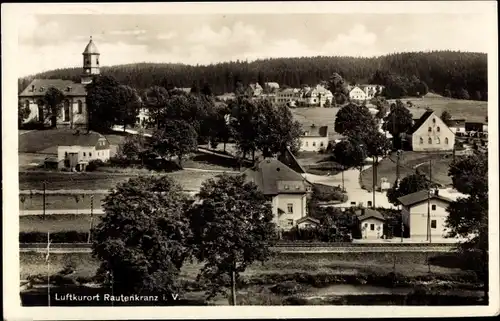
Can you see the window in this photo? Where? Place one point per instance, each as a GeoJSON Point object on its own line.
{"type": "Point", "coordinates": [434, 120]}
{"type": "Point", "coordinates": [290, 222]}
{"type": "Point", "coordinates": [366, 224]}
{"type": "Point", "coordinates": [429, 141]}
{"type": "Point", "coordinates": [97, 61]}
{"type": "Point", "coordinates": [421, 140]}
{"type": "Point", "coordinates": [438, 141]}
{"type": "Point", "coordinates": [433, 207]}
{"type": "Point", "coordinates": [446, 140]}
{"type": "Point", "coordinates": [429, 129]}
{"type": "Point", "coordinates": [353, 203]}
{"type": "Point", "coordinates": [80, 107]}
{"type": "Point", "coordinates": [321, 144]}
{"type": "Point", "coordinates": [433, 224]}
{"type": "Point", "coordinates": [372, 227]}
{"type": "Point", "coordinates": [290, 208]}
{"type": "Point", "coordinates": [369, 203]}
{"type": "Point", "coordinates": [314, 144]}
{"type": "Point", "coordinates": [307, 144]}
{"type": "Point", "coordinates": [83, 154]}
{"type": "Point", "coordinates": [87, 62]}
{"type": "Point", "coordinates": [65, 154]}
{"type": "Point", "coordinates": [90, 154]}
{"type": "Point", "coordinates": [438, 129]}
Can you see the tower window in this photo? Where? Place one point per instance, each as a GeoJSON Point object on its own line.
{"type": "Point", "coordinates": [430, 140]}
{"type": "Point", "coordinates": [438, 129]}
{"type": "Point", "coordinates": [87, 62]}
{"type": "Point", "coordinates": [97, 61]}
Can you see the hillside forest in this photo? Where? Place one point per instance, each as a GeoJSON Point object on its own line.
{"type": "Point", "coordinates": [460, 75]}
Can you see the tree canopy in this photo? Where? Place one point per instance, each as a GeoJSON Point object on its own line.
{"type": "Point", "coordinates": [142, 240]}
{"type": "Point", "coordinates": [52, 100]}
{"type": "Point", "coordinates": [440, 71]}
{"type": "Point", "coordinates": [409, 184]}
{"type": "Point", "coordinates": [176, 138]}
{"type": "Point", "coordinates": [399, 121]}
{"type": "Point", "coordinates": [354, 118]}
{"type": "Point", "coordinates": [232, 227]}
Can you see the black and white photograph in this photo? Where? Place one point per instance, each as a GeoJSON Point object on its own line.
{"type": "Point", "coordinates": [245, 156]}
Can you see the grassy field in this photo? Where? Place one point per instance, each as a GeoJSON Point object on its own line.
{"type": "Point", "coordinates": [58, 202]}
{"type": "Point", "coordinates": [408, 264]}
{"type": "Point", "coordinates": [471, 110]}
{"type": "Point", "coordinates": [190, 180]}
{"type": "Point", "coordinates": [408, 163]}
{"type": "Point", "coordinates": [56, 223]}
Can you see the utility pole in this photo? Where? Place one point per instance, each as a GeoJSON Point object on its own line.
{"type": "Point", "coordinates": [429, 203]}
{"type": "Point", "coordinates": [44, 187]}
{"type": "Point", "coordinates": [374, 168]}
{"type": "Point", "coordinates": [48, 268]}
{"type": "Point", "coordinates": [398, 153]}
{"type": "Point", "coordinates": [91, 216]}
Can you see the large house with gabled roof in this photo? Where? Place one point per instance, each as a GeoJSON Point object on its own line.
{"type": "Point", "coordinates": [73, 110]}
{"type": "Point", "coordinates": [430, 133]}
{"type": "Point", "coordinates": [285, 189]}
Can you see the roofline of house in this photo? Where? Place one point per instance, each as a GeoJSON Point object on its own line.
{"type": "Point", "coordinates": [445, 199]}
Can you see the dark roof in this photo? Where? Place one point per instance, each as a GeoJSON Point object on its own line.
{"type": "Point", "coordinates": [366, 213]}
{"type": "Point", "coordinates": [308, 218]}
{"type": "Point", "coordinates": [315, 131]}
{"type": "Point", "coordinates": [272, 177]}
{"type": "Point", "coordinates": [420, 121]}
{"type": "Point", "coordinates": [91, 48]}
{"type": "Point", "coordinates": [287, 158]}
{"type": "Point", "coordinates": [71, 138]}
{"type": "Point", "coordinates": [38, 88]}
{"type": "Point", "coordinates": [420, 196]}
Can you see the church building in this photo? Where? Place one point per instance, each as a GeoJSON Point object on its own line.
{"type": "Point", "coordinates": [73, 113]}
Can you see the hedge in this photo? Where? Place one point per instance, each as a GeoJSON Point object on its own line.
{"type": "Point", "coordinates": [56, 237]}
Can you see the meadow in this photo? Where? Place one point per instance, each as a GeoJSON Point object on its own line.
{"type": "Point", "coordinates": [189, 180]}
{"type": "Point", "coordinates": [57, 223]}
{"type": "Point", "coordinates": [409, 162]}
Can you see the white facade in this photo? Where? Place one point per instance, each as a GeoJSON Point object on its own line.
{"type": "Point", "coordinates": [357, 94]}
{"type": "Point", "coordinates": [313, 143]}
{"type": "Point", "coordinates": [415, 218]}
{"type": "Point", "coordinates": [287, 95]}
{"type": "Point", "coordinates": [288, 208]}
{"type": "Point", "coordinates": [433, 135]}
{"type": "Point", "coordinates": [85, 153]}
{"type": "Point", "coordinates": [372, 228]}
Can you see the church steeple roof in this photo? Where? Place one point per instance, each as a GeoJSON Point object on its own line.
{"type": "Point", "coordinates": [91, 48]}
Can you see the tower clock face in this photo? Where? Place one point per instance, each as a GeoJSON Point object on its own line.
{"type": "Point", "coordinates": [87, 70]}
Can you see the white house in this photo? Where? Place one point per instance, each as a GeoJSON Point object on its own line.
{"type": "Point", "coordinates": [425, 211]}
{"type": "Point", "coordinates": [285, 189]}
{"type": "Point", "coordinates": [308, 222]}
{"type": "Point", "coordinates": [314, 138]}
{"type": "Point", "coordinates": [287, 96]}
{"type": "Point", "coordinates": [372, 223]}
{"type": "Point", "coordinates": [317, 96]}
{"type": "Point", "coordinates": [357, 93]}
{"type": "Point", "coordinates": [430, 133]}
{"type": "Point", "coordinates": [82, 148]}
{"type": "Point", "coordinates": [370, 90]}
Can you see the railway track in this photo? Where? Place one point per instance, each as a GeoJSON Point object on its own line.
{"type": "Point", "coordinates": [282, 248]}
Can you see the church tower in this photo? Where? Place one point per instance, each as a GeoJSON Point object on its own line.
{"type": "Point", "coordinates": [90, 62]}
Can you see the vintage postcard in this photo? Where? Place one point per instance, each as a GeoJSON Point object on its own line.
{"type": "Point", "coordinates": [232, 160]}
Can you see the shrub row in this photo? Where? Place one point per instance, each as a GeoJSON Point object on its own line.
{"type": "Point", "coordinates": [56, 237]}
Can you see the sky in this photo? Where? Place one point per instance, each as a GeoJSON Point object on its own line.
{"type": "Point", "coordinates": [50, 41]}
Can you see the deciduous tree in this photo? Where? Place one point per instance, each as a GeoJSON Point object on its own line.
{"type": "Point", "coordinates": [446, 117]}
{"type": "Point", "coordinates": [155, 100]}
{"type": "Point", "coordinates": [142, 240]}
{"type": "Point", "coordinates": [349, 153]}
{"type": "Point", "coordinates": [232, 228]}
{"type": "Point", "coordinates": [409, 184]}
{"type": "Point", "coordinates": [353, 118]}
{"type": "Point", "coordinates": [23, 112]}
{"type": "Point", "coordinates": [399, 121]}
{"type": "Point", "coordinates": [102, 98]}
{"type": "Point", "coordinates": [468, 216]}
{"type": "Point", "coordinates": [175, 138]}
{"type": "Point", "coordinates": [129, 103]}
{"type": "Point", "coordinates": [52, 100]}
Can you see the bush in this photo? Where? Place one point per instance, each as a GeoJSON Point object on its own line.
{"type": "Point", "coordinates": [94, 164]}
{"type": "Point", "coordinates": [56, 237]}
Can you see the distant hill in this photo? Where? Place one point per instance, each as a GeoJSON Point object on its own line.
{"type": "Point", "coordinates": [448, 73]}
